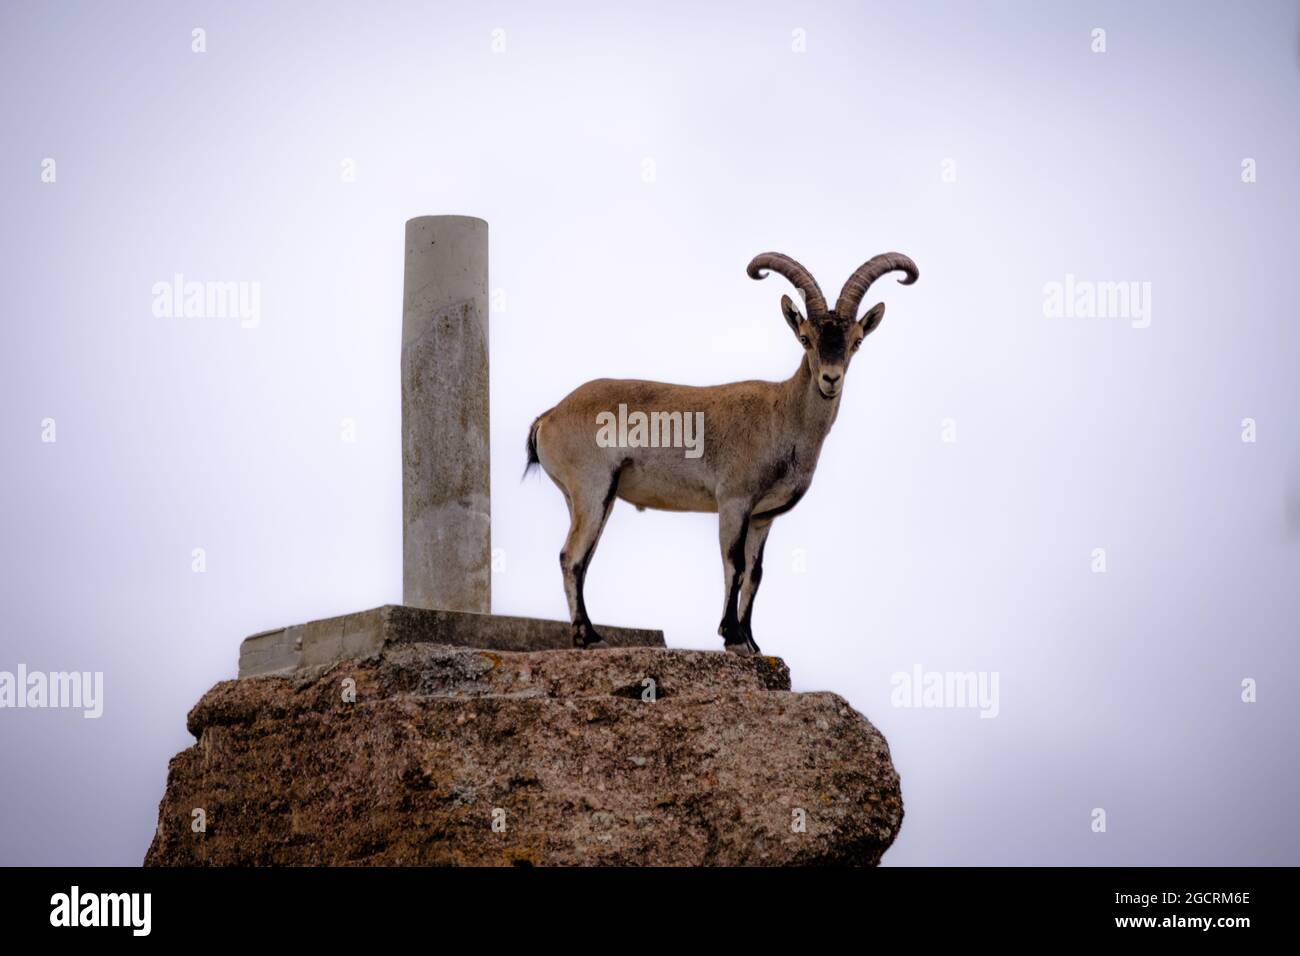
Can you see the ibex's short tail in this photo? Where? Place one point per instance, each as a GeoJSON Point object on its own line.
{"type": "Point", "coordinates": [533, 460]}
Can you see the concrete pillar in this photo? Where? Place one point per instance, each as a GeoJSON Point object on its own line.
{"type": "Point", "coordinates": [446, 509]}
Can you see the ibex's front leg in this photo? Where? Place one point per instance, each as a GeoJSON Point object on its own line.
{"type": "Point", "coordinates": [733, 530]}
{"type": "Point", "coordinates": [589, 508]}
{"type": "Point", "coordinates": [755, 541]}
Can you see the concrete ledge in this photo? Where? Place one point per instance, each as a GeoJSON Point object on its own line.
{"type": "Point", "coordinates": [365, 633]}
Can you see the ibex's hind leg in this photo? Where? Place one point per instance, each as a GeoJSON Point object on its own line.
{"type": "Point", "coordinates": [733, 529]}
{"type": "Point", "coordinates": [589, 509]}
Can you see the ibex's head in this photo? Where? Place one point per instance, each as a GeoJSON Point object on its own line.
{"type": "Point", "coordinates": [830, 337]}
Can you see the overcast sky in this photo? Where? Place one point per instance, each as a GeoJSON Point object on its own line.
{"type": "Point", "coordinates": [631, 159]}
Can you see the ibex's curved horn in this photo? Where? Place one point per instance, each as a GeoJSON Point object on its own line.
{"type": "Point", "coordinates": [799, 277]}
{"type": "Point", "coordinates": [867, 273]}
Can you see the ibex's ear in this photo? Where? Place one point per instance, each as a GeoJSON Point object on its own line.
{"type": "Point", "coordinates": [872, 318]}
{"type": "Point", "coordinates": [792, 316]}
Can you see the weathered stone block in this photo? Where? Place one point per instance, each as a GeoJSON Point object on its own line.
{"type": "Point", "coordinates": [455, 756]}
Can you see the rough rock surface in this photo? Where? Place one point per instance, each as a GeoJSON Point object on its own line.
{"type": "Point", "coordinates": [459, 756]}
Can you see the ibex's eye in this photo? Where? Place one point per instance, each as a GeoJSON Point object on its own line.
{"type": "Point", "coordinates": [857, 345]}
{"type": "Point", "coordinates": [803, 340]}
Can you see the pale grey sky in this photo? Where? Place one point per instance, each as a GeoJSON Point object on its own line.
{"type": "Point", "coordinates": [631, 159]}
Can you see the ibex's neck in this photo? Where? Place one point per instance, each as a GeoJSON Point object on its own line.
{"type": "Point", "coordinates": [813, 412]}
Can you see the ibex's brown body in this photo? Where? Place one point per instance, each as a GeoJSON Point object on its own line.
{"type": "Point", "coordinates": [761, 442]}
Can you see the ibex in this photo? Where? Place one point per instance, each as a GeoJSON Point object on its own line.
{"type": "Point", "coordinates": [759, 448]}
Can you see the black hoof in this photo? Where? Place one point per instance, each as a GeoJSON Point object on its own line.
{"type": "Point", "coordinates": [586, 638]}
{"type": "Point", "coordinates": [737, 639]}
